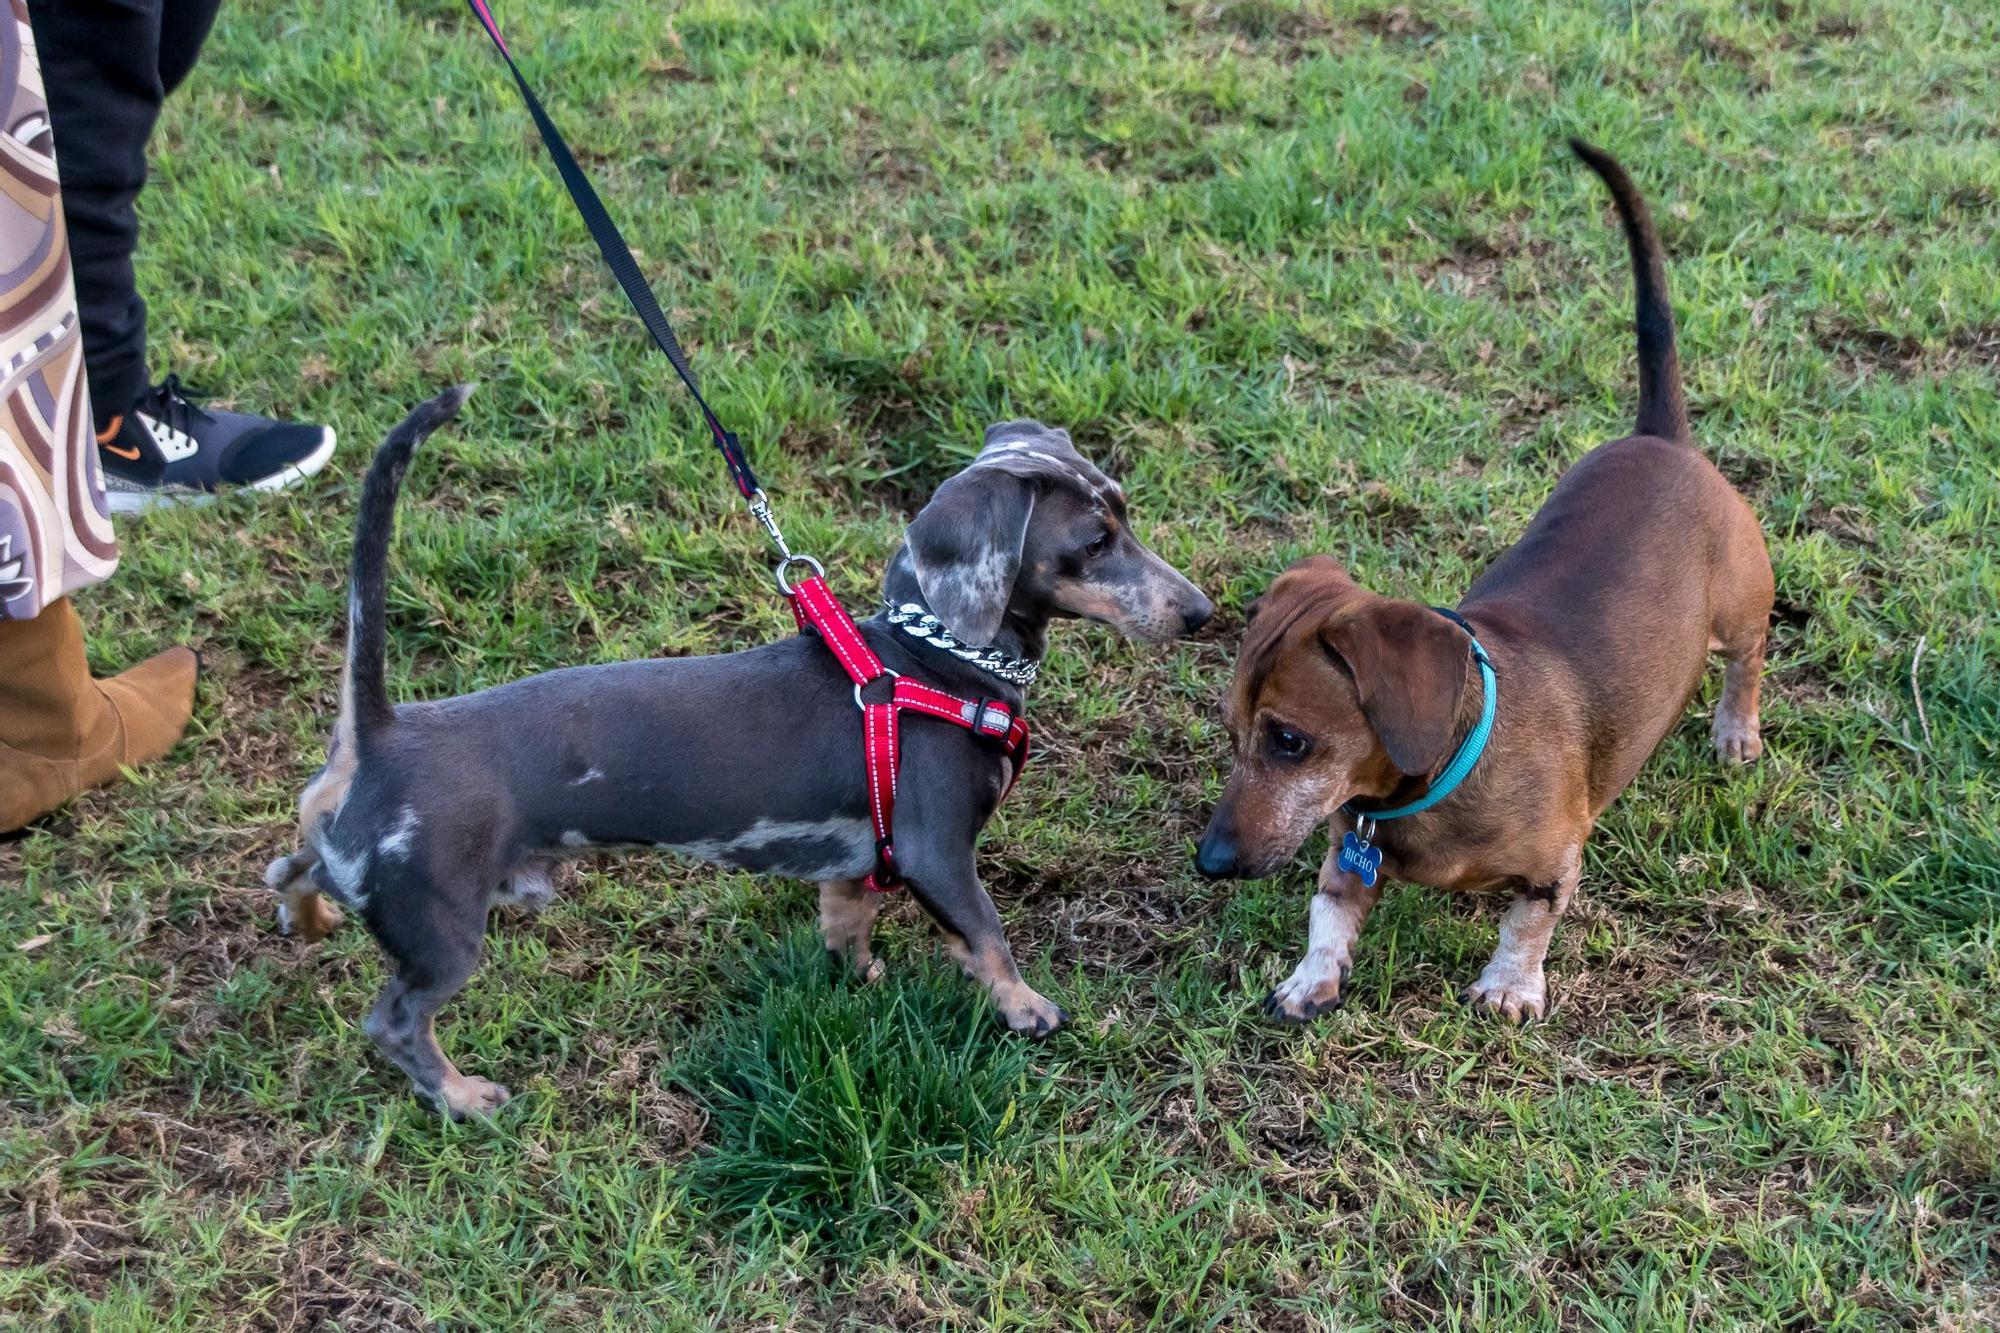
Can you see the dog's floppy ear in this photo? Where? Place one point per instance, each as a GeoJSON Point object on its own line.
{"type": "Point", "coordinates": [1409, 666]}
{"type": "Point", "coordinates": [966, 546]}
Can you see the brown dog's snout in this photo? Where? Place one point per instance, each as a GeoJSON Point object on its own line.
{"type": "Point", "coordinates": [1218, 856]}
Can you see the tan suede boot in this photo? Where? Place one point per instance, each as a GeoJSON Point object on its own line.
{"type": "Point", "coordinates": [62, 732]}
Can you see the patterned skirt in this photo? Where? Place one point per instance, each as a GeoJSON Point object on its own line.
{"type": "Point", "coordinates": [55, 531]}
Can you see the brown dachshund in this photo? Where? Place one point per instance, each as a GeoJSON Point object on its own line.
{"type": "Point", "coordinates": [1597, 623]}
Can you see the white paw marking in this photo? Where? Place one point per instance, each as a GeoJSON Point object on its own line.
{"type": "Point", "coordinates": [474, 1096]}
{"type": "Point", "coordinates": [1513, 994]}
{"type": "Point", "coordinates": [1313, 988]}
{"type": "Point", "coordinates": [1026, 1010]}
{"type": "Point", "coordinates": [528, 886]}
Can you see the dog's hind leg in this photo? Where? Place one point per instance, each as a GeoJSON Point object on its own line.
{"type": "Point", "coordinates": [302, 909]}
{"type": "Point", "coordinates": [847, 914]}
{"type": "Point", "coordinates": [1741, 594]}
{"type": "Point", "coordinates": [1738, 736]}
{"type": "Point", "coordinates": [434, 952]}
{"type": "Point", "coordinates": [404, 1024]}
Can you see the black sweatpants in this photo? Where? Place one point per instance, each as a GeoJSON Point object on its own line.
{"type": "Point", "coordinates": [107, 65]}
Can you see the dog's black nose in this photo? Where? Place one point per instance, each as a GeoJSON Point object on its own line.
{"type": "Point", "coordinates": [1197, 615]}
{"type": "Point", "coordinates": [1216, 857]}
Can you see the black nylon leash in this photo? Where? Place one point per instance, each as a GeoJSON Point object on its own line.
{"type": "Point", "coordinates": [618, 255]}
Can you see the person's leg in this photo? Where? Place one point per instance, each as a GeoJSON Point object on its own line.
{"type": "Point", "coordinates": [184, 26]}
{"type": "Point", "coordinates": [61, 732]}
{"type": "Point", "coordinates": [101, 72]}
{"type": "Point", "coordinates": [109, 66]}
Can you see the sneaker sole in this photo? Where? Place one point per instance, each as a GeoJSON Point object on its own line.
{"type": "Point", "coordinates": [299, 471]}
{"type": "Point", "coordinates": [139, 500]}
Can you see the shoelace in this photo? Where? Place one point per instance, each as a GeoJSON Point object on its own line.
{"type": "Point", "coordinates": [178, 405]}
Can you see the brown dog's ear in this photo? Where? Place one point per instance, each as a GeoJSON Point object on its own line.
{"type": "Point", "coordinates": [1409, 666]}
{"type": "Point", "coordinates": [966, 546]}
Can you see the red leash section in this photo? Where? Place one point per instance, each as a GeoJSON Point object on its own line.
{"type": "Point", "coordinates": [990, 719]}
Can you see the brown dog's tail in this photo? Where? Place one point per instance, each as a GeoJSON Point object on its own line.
{"type": "Point", "coordinates": [364, 685]}
{"type": "Point", "coordinates": [1662, 405]}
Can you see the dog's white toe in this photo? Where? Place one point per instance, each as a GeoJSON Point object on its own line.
{"type": "Point", "coordinates": [1514, 995]}
{"type": "Point", "coordinates": [466, 1096]}
{"type": "Point", "coordinates": [1316, 986]}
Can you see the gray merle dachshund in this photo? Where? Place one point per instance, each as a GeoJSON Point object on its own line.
{"type": "Point", "coordinates": [426, 815]}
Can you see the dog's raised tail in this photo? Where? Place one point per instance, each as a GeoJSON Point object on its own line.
{"type": "Point", "coordinates": [1662, 404]}
{"type": "Point", "coordinates": [364, 685]}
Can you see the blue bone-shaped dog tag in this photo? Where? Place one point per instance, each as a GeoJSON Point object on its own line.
{"type": "Point", "coordinates": [1359, 859]}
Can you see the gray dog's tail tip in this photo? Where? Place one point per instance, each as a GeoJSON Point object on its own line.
{"type": "Point", "coordinates": [434, 412]}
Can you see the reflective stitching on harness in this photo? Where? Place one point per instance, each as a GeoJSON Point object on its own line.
{"type": "Point", "coordinates": [815, 607]}
{"type": "Point", "coordinates": [838, 629]}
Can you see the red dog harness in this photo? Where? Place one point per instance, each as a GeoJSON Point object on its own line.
{"type": "Point", "coordinates": [815, 607]}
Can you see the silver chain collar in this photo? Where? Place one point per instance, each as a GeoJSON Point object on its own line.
{"type": "Point", "coordinates": [920, 624]}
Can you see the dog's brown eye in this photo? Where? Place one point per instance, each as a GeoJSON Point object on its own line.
{"type": "Point", "coordinates": [1098, 545]}
{"type": "Point", "coordinates": [1289, 744]}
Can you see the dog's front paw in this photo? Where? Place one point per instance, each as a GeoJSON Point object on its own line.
{"type": "Point", "coordinates": [1513, 995]}
{"type": "Point", "coordinates": [1737, 740]}
{"type": "Point", "coordinates": [1029, 1013]}
{"type": "Point", "coordinates": [867, 968]}
{"type": "Point", "coordinates": [464, 1096]}
{"type": "Point", "coordinates": [1318, 986]}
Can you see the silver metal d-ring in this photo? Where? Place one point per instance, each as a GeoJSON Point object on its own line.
{"type": "Point", "coordinates": [892, 675]}
{"type": "Point", "coordinates": [784, 584]}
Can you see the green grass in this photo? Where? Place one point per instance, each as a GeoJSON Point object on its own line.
{"type": "Point", "coordinates": [837, 1111]}
{"type": "Point", "coordinates": [1310, 277]}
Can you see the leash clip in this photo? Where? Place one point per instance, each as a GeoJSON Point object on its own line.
{"type": "Point", "coordinates": [760, 509]}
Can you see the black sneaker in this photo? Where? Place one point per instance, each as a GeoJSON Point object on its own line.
{"type": "Point", "coordinates": [168, 450]}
